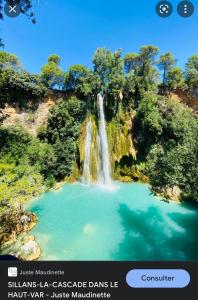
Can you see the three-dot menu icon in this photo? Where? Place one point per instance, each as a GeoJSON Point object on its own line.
{"type": "Point", "coordinates": [185, 9]}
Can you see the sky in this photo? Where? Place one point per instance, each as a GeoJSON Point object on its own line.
{"type": "Point", "coordinates": [74, 29]}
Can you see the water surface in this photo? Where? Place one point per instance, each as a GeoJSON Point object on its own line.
{"type": "Point", "coordinates": [129, 223]}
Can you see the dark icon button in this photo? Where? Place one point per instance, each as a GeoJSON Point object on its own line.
{"type": "Point", "coordinates": [185, 9]}
{"type": "Point", "coordinates": [12, 9]}
{"type": "Point", "coordinates": [164, 9]}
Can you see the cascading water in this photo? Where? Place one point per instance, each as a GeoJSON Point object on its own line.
{"type": "Point", "coordinates": [105, 169]}
{"type": "Point", "coordinates": [86, 177]}
{"type": "Point", "coordinates": [103, 158]}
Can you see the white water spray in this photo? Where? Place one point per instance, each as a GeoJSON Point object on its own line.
{"type": "Point", "coordinates": [86, 178]}
{"type": "Point", "coordinates": [105, 168]}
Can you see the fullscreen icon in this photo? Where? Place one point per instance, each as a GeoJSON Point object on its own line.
{"type": "Point", "coordinates": [164, 9]}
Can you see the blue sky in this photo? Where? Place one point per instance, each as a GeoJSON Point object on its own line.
{"type": "Point", "coordinates": [75, 28]}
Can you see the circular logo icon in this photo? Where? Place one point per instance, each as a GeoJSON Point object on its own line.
{"type": "Point", "coordinates": [164, 9]}
{"type": "Point", "coordinates": [185, 9]}
{"type": "Point", "coordinates": [12, 9]}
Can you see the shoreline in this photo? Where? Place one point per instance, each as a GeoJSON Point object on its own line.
{"type": "Point", "coordinates": [24, 237]}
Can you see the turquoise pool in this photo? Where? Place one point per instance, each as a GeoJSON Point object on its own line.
{"type": "Point", "coordinates": [128, 223]}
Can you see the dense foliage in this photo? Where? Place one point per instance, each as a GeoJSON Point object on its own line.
{"type": "Point", "coordinates": [165, 131]}
{"type": "Point", "coordinates": [51, 74]}
{"type": "Point", "coordinates": [192, 73]}
{"type": "Point", "coordinates": [20, 176]}
{"type": "Point", "coordinates": [18, 87]}
{"type": "Point", "coordinates": [170, 143]}
{"type": "Point", "coordinates": [62, 133]}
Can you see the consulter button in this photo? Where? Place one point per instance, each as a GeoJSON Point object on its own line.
{"type": "Point", "coordinates": [158, 278]}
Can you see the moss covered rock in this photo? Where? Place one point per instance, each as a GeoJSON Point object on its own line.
{"type": "Point", "coordinates": [121, 148]}
{"type": "Point", "coordinates": [94, 148]}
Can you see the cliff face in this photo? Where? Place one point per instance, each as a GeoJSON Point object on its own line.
{"type": "Point", "coordinates": [119, 130]}
{"type": "Point", "coordinates": [30, 118]}
{"type": "Point", "coordinates": [34, 114]}
{"type": "Point", "coordinates": [120, 141]}
{"type": "Point", "coordinates": [121, 145]}
{"type": "Point", "coordinates": [187, 98]}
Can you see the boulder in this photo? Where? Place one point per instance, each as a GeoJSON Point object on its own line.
{"type": "Point", "coordinates": [58, 186]}
{"type": "Point", "coordinates": [172, 193]}
{"type": "Point", "coordinates": [30, 249]}
{"type": "Point", "coordinates": [25, 219]}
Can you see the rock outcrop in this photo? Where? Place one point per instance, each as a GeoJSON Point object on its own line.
{"type": "Point", "coordinates": [25, 222]}
{"type": "Point", "coordinates": [30, 121]}
{"type": "Point", "coordinates": [120, 141]}
{"type": "Point", "coordinates": [29, 249]}
{"type": "Point", "coordinates": [187, 98]}
{"type": "Point", "coordinates": [173, 193]}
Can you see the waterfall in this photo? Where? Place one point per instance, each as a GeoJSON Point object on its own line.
{"type": "Point", "coordinates": [105, 169]}
{"type": "Point", "coordinates": [102, 155]}
{"type": "Point", "coordinates": [86, 177]}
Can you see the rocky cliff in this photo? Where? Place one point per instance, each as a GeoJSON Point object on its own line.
{"type": "Point", "coordinates": [120, 140]}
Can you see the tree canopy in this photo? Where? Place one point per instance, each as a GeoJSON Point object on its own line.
{"type": "Point", "coordinates": [191, 73]}
{"type": "Point", "coordinates": [165, 63]}
{"type": "Point", "coordinates": [51, 73]}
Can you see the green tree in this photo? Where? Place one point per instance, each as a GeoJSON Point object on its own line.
{"type": "Point", "coordinates": [167, 135]}
{"type": "Point", "coordinates": [165, 63]}
{"type": "Point", "coordinates": [175, 79]}
{"type": "Point", "coordinates": [89, 85]}
{"type": "Point", "coordinates": [13, 144]}
{"type": "Point", "coordinates": [42, 157]}
{"type": "Point", "coordinates": [191, 73]}
{"type": "Point", "coordinates": [51, 73]}
{"type": "Point", "coordinates": [17, 87]}
{"type": "Point", "coordinates": [147, 55]}
{"type": "Point", "coordinates": [131, 62]}
{"type": "Point", "coordinates": [147, 71]}
{"type": "Point", "coordinates": [17, 185]}
{"type": "Point", "coordinates": [109, 67]}
{"type": "Point", "coordinates": [74, 77]}
{"type": "Point", "coordinates": [19, 148]}
{"type": "Point", "coordinates": [143, 76]}
{"type": "Point", "coordinates": [175, 166]}
{"type": "Point", "coordinates": [148, 115]}
{"type": "Point", "coordinates": [24, 163]}
{"type": "Point", "coordinates": [54, 58]}
{"type": "Point", "coordinates": [9, 61]}
{"type": "Point", "coordinates": [62, 133]}
{"type": "Point", "coordinates": [20, 87]}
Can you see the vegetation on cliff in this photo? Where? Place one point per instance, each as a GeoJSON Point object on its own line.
{"type": "Point", "coordinates": [167, 136]}
{"type": "Point", "coordinates": [62, 133]}
{"type": "Point", "coordinates": [151, 135]}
